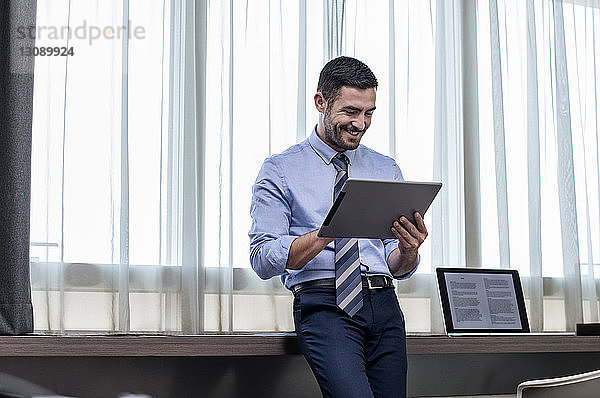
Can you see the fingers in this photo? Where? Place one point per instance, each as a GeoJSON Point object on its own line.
{"type": "Point", "coordinates": [407, 234]}
{"type": "Point", "coordinates": [401, 241]}
{"type": "Point", "coordinates": [420, 223]}
{"type": "Point", "coordinates": [400, 232]}
{"type": "Point", "coordinates": [410, 227]}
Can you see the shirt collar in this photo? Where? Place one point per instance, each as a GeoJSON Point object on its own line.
{"type": "Point", "coordinates": [324, 151]}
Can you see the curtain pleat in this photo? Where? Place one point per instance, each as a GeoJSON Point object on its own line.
{"type": "Point", "coordinates": [301, 131]}
{"type": "Point", "coordinates": [447, 229]}
{"type": "Point", "coordinates": [193, 17]}
{"type": "Point", "coordinates": [536, 294]}
{"type": "Point", "coordinates": [334, 12]}
{"type": "Point", "coordinates": [588, 285]}
{"type": "Point", "coordinates": [471, 137]}
{"type": "Point", "coordinates": [499, 139]}
{"type": "Point", "coordinates": [566, 177]}
{"type": "Point", "coordinates": [392, 77]}
{"type": "Point", "coordinates": [594, 289]}
{"type": "Point", "coordinates": [123, 269]}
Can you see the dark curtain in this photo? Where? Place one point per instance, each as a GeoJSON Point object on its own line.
{"type": "Point", "coordinates": [16, 106]}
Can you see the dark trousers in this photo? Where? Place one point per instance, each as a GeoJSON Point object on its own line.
{"type": "Point", "coordinates": [363, 356]}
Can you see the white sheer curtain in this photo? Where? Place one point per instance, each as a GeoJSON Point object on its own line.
{"type": "Point", "coordinates": [538, 123]}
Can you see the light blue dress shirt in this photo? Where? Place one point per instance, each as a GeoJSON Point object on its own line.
{"type": "Point", "coordinates": [291, 197]}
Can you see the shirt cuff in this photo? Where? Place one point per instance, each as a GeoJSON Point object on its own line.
{"type": "Point", "coordinates": [278, 254]}
{"type": "Point", "coordinates": [389, 246]}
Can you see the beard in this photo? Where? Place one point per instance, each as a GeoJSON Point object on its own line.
{"type": "Point", "coordinates": [334, 133]}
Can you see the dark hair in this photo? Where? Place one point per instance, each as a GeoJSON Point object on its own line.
{"type": "Point", "coordinates": [344, 71]}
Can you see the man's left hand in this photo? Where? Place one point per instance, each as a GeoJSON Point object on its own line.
{"type": "Point", "coordinates": [410, 237]}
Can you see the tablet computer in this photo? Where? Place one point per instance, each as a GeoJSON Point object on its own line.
{"type": "Point", "coordinates": [482, 300]}
{"type": "Point", "coordinates": [368, 208]}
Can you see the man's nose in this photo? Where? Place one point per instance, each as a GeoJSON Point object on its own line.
{"type": "Point", "coordinates": [359, 122]}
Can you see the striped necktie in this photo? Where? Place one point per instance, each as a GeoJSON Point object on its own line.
{"type": "Point", "coordinates": [348, 282]}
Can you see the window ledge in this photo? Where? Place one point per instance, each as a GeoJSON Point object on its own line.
{"type": "Point", "coordinates": [271, 344]}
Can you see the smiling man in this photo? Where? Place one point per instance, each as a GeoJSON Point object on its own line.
{"type": "Point", "coordinates": [348, 321]}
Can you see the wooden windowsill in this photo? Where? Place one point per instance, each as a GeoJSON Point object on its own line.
{"type": "Point", "coordinates": [271, 344]}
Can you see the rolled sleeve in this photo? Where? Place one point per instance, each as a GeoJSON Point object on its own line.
{"type": "Point", "coordinates": [270, 211]}
{"type": "Point", "coordinates": [270, 257]}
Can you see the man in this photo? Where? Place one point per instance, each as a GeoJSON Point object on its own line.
{"type": "Point", "coordinates": [348, 321]}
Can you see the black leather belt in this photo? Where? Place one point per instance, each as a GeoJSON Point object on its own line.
{"type": "Point", "coordinates": [371, 282]}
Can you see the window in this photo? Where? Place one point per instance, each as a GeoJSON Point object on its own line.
{"type": "Point", "coordinates": [146, 146]}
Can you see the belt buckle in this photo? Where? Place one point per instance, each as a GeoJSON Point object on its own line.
{"type": "Point", "coordinates": [371, 287]}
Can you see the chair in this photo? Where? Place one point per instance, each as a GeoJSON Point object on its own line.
{"type": "Point", "coordinates": [15, 387]}
{"type": "Point", "coordinates": [584, 385]}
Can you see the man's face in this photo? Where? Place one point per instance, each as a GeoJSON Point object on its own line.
{"type": "Point", "coordinates": [348, 117]}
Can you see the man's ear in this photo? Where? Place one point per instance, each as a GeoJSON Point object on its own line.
{"type": "Point", "coordinates": [320, 102]}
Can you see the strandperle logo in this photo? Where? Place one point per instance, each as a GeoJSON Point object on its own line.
{"type": "Point", "coordinates": [87, 32]}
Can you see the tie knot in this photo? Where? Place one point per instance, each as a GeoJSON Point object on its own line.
{"type": "Point", "coordinates": [340, 161]}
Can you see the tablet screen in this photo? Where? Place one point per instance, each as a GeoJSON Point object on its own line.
{"type": "Point", "coordinates": [482, 300]}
